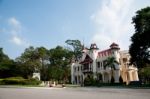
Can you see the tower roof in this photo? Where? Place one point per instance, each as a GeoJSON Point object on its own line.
{"type": "Point", "coordinates": [114, 46]}
{"type": "Point", "coordinates": [93, 46]}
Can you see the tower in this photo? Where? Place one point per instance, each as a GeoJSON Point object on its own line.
{"type": "Point", "coordinates": [115, 53]}
{"type": "Point", "coordinates": [93, 54]}
{"type": "Point", "coordinates": [93, 47]}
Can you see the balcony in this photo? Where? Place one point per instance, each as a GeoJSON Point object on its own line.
{"type": "Point", "coordinates": [88, 70]}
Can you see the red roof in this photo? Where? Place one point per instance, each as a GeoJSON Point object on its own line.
{"type": "Point", "coordinates": [104, 52]}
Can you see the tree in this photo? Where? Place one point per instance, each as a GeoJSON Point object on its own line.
{"type": "Point", "coordinates": [29, 62]}
{"type": "Point", "coordinates": [110, 62]}
{"type": "Point", "coordinates": [60, 59]}
{"type": "Point", "coordinates": [8, 67]}
{"type": "Point", "coordinates": [144, 74]}
{"type": "Point", "coordinates": [3, 56]}
{"type": "Point", "coordinates": [42, 53]}
{"type": "Point", "coordinates": [77, 47]}
{"type": "Point", "coordinates": [140, 46]}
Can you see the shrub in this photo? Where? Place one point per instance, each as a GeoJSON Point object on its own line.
{"type": "Point", "coordinates": [32, 81]}
{"type": "Point", "coordinates": [87, 81]}
{"type": "Point", "coordinates": [135, 83]}
{"type": "Point", "coordinates": [90, 81]}
{"type": "Point", "coordinates": [15, 78]}
{"type": "Point", "coordinates": [19, 81]}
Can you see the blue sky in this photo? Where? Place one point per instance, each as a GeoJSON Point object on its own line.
{"type": "Point", "coordinates": [49, 23]}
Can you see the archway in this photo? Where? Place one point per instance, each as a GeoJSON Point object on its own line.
{"type": "Point", "coordinates": [106, 77]}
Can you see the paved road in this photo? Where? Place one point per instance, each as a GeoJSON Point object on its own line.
{"type": "Point", "coordinates": [73, 93]}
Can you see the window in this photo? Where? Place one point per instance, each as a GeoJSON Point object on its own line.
{"type": "Point", "coordinates": [86, 66]}
{"type": "Point", "coordinates": [90, 66]}
{"type": "Point", "coordinates": [75, 69]}
{"type": "Point", "coordinates": [98, 64]}
{"type": "Point", "coordinates": [104, 62]}
{"type": "Point", "coordinates": [124, 60]}
{"type": "Point", "coordinates": [101, 65]}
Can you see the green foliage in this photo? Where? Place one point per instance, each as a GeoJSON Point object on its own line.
{"type": "Point", "coordinates": [140, 47]}
{"type": "Point", "coordinates": [110, 62]}
{"type": "Point", "coordinates": [3, 56]}
{"type": "Point", "coordinates": [32, 82]}
{"type": "Point", "coordinates": [34, 60]}
{"type": "Point", "coordinates": [19, 81]}
{"type": "Point", "coordinates": [90, 81]}
{"type": "Point", "coordinates": [29, 61]}
{"type": "Point", "coordinates": [53, 64]}
{"type": "Point", "coordinates": [8, 67]}
{"type": "Point", "coordinates": [43, 57]}
{"type": "Point", "coordinates": [60, 60]}
{"type": "Point", "coordinates": [135, 83]}
{"type": "Point", "coordinates": [144, 74]}
{"type": "Point", "coordinates": [77, 47]}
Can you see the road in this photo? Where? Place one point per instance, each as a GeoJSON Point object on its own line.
{"type": "Point", "coordinates": [73, 93]}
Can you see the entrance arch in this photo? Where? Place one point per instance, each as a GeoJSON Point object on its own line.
{"type": "Point", "coordinates": [106, 77]}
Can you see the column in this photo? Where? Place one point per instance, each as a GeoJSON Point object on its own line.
{"type": "Point", "coordinates": [102, 65]}
{"type": "Point", "coordinates": [136, 76]}
{"type": "Point", "coordinates": [94, 69]}
{"type": "Point", "coordinates": [103, 77]}
{"type": "Point", "coordinates": [77, 79]}
{"type": "Point", "coordinates": [130, 76]}
{"type": "Point", "coordinates": [117, 75]}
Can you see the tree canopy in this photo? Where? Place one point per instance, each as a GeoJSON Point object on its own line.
{"type": "Point", "coordinates": [140, 46]}
{"type": "Point", "coordinates": [8, 67]}
{"type": "Point", "coordinates": [110, 62]}
{"type": "Point", "coordinates": [77, 47]}
{"type": "Point", "coordinates": [53, 64]}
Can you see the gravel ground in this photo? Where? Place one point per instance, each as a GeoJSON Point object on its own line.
{"type": "Point", "coordinates": [72, 93]}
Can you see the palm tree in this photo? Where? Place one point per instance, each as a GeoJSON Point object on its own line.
{"type": "Point", "coordinates": [110, 62]}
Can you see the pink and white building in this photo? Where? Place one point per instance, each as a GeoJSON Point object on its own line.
{"type": "Point", "coordinates": [93, 61]}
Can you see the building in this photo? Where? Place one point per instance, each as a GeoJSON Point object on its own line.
{"type": "Point", "coordinates": [93, 62]}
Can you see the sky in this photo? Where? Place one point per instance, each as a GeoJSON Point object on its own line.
{"type": "Point", "coordinates": [49, 23]}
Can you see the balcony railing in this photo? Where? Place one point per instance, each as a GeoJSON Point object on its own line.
{"type": "Point", "coordinates": [87, 70]}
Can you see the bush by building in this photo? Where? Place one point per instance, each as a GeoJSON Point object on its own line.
{"type": "Point", "coordinates": [19, 81]}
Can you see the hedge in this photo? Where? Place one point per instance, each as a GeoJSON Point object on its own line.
{"type": "Point", "coordinates": [19, 81]}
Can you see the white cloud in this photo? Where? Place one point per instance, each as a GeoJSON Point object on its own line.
{"type": "Point", "coordinates": [113, 22]}
{"type": "Point", "coordinates": [16, 40]}
{"type": "Point", "coordinates": [19, 41]}
{"type": "Point", "coordinates": [15, 25]}
{"type": "Point", "coordinates": [14, 22]}
{"type": "Point", "coordinates": [16, 29]}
